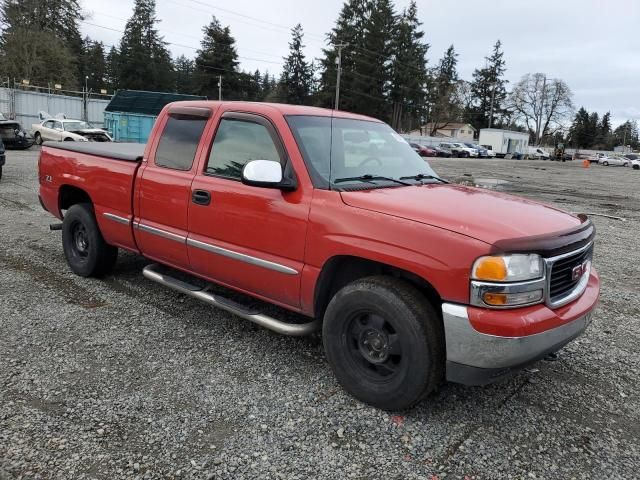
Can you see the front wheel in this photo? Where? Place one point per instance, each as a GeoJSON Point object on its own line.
{"type": "Point", "coordinates": [38, 138]}
{"type": "Point", "coordinates": [606, 164]}
{"type": "Point", "coordinates": [86, 252]}
{"type": "Point", "coordinates": [636, 167]}
{"type": "Point", "coordinates": [625, 164]}
{"type": "Point", "coordinates": [384, 342]}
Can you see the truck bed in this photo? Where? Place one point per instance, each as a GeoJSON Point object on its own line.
{"type": "Point", "coordinates": [130, 152]}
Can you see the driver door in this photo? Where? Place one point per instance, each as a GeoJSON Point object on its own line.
{"type": "Point", "coordinates": [247, 237]}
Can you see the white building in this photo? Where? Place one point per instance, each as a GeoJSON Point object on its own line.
{"type": "Point", "coordinates": [461, 132]}
{"type": "Point", "coordinates": [504, 142]}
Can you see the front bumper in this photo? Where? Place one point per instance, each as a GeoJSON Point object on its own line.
{"type": "Point", "coordinates": [479, 358]}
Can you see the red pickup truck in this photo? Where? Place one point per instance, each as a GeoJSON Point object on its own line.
{"type": "Point", "coordinates": [412, 280]}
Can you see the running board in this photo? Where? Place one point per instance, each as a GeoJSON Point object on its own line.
{"type": "Point", "coordinates": [284, 328]}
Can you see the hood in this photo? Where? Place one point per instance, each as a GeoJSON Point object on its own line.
{"type": "Point", "coordinates": [482, 214]}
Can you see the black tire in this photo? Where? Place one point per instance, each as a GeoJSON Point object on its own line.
{"type": "Point", "coordinates": [87, 254]}
{"type": "Point", "coordinates": [606, 164]}
{"type": "Point", "coordinates": [636, 167]}
{"type": "Point", "coordinates": [625, 164]}
{"type": "Point", "coordinates": [1, 173]}
{"type": "Point", "coordinates": [37, 138]}
{"type": "Point", "coordinates": [384, 342]}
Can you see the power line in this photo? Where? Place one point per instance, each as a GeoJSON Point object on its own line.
{"type": "Point", "coordinates": [193, 37]}
{"type": "Point", "coordinates": [182, 45]}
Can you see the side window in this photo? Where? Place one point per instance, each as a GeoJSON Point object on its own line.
{"type": "Point", "coordinates": [179, 141]}
{"type": "Point", "coordinates": [238, 142]}
{"type": "Point", "coordinates": [48, 124]}
{"type": "Point", "coordinates": [57, 125]}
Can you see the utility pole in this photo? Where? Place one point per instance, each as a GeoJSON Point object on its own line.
{"type": "Point", "coordinates": [340, 46]}
{"type": "Point", "coordinates": [624, 138]}
{"type": "Point", "coordinates": [86, 98]}
{"type": "Point", "coordinates": [219, 88]}
{"type": "Point", "coordinates": [493, 96]}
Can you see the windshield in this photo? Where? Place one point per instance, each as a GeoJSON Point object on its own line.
{"type": "Point", "coordinates": [337, 151]}
{"type": "Point", "coordinates": [68, 126]}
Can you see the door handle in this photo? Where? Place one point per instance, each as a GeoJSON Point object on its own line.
{"type": "Point", "coordinates": [201, 197]}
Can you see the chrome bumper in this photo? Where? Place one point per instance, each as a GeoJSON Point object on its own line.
{"type": "Point", "coordinates": [475, 358]}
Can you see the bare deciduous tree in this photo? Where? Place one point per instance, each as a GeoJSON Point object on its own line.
{"type": "Point", "coordinates": [543, 104]}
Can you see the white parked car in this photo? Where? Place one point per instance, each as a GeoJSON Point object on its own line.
{"type": "Point", "coordinates": [606, 161]}
{"type": "Point", "coordinates": [537, 153]}
{"type": "Point", "coordinates": [635, 164]}
{"type": "Point", "coordinates": [65, 130]}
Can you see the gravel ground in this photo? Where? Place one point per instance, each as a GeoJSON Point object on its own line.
{"type": "Point", "coordinates": [120, 378]}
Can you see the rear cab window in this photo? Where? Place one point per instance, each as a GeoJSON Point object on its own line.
{"type": "Point", "coordinates": [180, 138]}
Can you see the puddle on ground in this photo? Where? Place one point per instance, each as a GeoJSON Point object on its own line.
{"type": "Point", "coordinates": [494, 183]}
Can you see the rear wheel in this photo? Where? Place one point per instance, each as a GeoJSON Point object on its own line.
{"type": "Point", "coordinates": [384, 342]}
{"type": "Point", "coordinates": [636, 167]}
{"type": "Point", "coordinates": [86, 252]}
{"type": "Point", "coordinates": [606, 164]}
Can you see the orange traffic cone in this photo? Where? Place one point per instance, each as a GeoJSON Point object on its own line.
{"type": "Point", "coordinates": [586, 164]}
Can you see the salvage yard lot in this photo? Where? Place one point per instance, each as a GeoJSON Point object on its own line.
{"type": "Point", "coordinates": [120, 378]}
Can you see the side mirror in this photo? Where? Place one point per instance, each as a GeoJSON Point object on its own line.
{"type": "Point", "coordinates": [263, 173]}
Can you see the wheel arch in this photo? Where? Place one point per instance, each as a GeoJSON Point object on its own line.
{"type": "Point", "coordinates": [340, 270]}
{"type": "Point", "coordinates": [69, 195]}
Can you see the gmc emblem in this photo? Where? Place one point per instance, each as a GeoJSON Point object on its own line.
{"type": "Point", "coordinates": [578, 271]}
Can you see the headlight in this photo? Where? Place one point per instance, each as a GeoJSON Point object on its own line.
{"type": "Point", "coordinates": [507, 281]}
{"type": "Point", "coordinates": [508, 268]}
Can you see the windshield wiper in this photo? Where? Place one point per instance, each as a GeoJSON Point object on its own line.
{"type": "Point", "coordinates": [422, 176]}
{"type": "Point", "coordinates": [367, 177]}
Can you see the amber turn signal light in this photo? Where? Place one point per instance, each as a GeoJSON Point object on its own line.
{"type": "Point", "coordinates": [490, 268]}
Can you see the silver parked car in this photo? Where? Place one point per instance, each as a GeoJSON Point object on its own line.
{"type": "Point", "coordinates": [619, 161]}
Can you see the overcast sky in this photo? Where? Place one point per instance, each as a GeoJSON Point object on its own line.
{"type": "Point", "coordinates": [594, 45]}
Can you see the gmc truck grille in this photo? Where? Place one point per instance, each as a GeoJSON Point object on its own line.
{"type": "Point", "coordinates": [562, 278]}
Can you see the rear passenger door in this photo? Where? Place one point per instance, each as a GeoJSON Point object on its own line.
{"type": "Point", "coordinates": [242, 236]}
{"type": "Point", "coordinates": [164, 188]}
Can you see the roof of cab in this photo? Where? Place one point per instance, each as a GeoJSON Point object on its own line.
{"type": "Point", "coordinates": [282, 108]}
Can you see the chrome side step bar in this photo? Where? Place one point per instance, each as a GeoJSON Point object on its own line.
{"type": "Point", "coordinates": [284, 328]}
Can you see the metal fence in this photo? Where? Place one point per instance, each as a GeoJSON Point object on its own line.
{"type": "Point", "coordinates": [22, 103]}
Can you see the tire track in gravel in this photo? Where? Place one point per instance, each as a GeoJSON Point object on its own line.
{"type": "Point", "coordinates": [69, 290]}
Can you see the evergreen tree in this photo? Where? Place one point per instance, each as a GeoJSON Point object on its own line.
{"type": "Point", "coordinates": [145, 62]}
{"type": "Point", "coordinates": [592, 128]}
{"type": "Point", "coordinates": [368, 28]}
{"type": "Point", "coordinates": [41, 41]}
{"type": "Point", "coordinates": [112, 80]}
{"type": "Point", "coordinates": [373, 64]}
{"type": "Point", "coordinates": [94, 65]}
{"type": "Point", "coordinates": [349, 30]}
{"type": "Point", "coordinates": [217, 56]}
{"type": "Point", "coordinates": [603, 139]}
{"type": "Point", "coordinates": [257, 80]}
{"type": "Point", "coordinates": [487, 88]}
{"type": "Point", "coordinates": [184, 68]}
{"type": "Point", "coordinates": [579, 133]}
{"type": "Point", "coordinates": [443, 92]}
{"type": "Point", "coordinates": [627, 135]}
{"type": "Point", "coordinates": [409, 72]}
{"type": "Point", "coordinates": [296, 82]}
